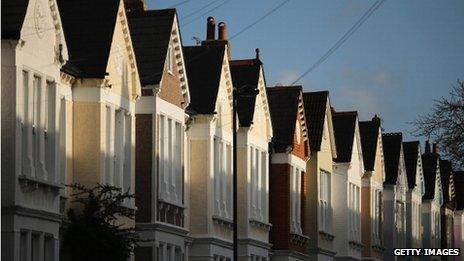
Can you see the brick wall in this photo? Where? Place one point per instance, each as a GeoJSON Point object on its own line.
{"type": "Point", "coordinates": [143, 166]}
{"type": "Point", "coordinates": [279, 209]}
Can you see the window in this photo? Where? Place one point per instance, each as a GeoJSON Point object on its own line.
{"type": "Point", "coordinates": [62, 140]}
{"type": "Point", "coordinates": [23, 246]}
{"type": "Point", "coordinates": [324, 202]}
{"type": "Point", "coordinates": [171, 137]}
{"type": "Point", "coordinates": [377, 220]}
{"type": "Point", "coordinates": [25, 128]}
{"type": "Point", "coordinates": [222, 178]}
{"type": "Point", "coordinates": [258, 184]}
{"type": "Point", "coordinates": [354, 212]}
{"type": "Point", "coordinates": [295, 199]}
{"type": "Point", "coordinates": [400, 223]}
{"type": "Point", "coordinates": [36, 102]}
{"type": "Point", "coordinates": [49, 248]}
{"type": "Point", "coordinates": [109, 145]}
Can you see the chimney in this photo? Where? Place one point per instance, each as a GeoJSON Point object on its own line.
{"type": "Point", "coordinates": [376, 120]}
{"type": "Point", "coordinates": [427, 146]}
{"type": "Point", "coordinates": [257, 54]}
{"type": "Point", "coordinates": [135, 5]}
{"type": "Point", "coordinates": [222, 31]}
{"type": "Point", "coordinates": [210, 28]}
{"type": "Point", "coordinates": [436, 149]}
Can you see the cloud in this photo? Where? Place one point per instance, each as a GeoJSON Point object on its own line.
{"type": "Point", "coordinates": [286, 77]}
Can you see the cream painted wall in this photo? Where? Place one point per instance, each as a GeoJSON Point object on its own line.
{"type": "Point", "coordinates": [320, 160]}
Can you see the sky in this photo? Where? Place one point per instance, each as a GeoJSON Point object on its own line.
{"type": "Point", "coordinates": [405, 56]}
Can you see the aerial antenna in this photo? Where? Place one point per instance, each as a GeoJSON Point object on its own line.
{"type": "Point", "coordinates": [197, 40]}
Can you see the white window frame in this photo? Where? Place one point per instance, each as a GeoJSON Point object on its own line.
{"type": "Point", "coordinates": [324, 201]}
{"type": "Point", "coordinates": [222, 161]}
{"type": "Point", "coordinates": [295, 199]}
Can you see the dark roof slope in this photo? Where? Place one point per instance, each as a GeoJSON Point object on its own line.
{"type": "Point", "coordinates": [283, 103]}
{"type": "Point", "coordinates": [315, 108]}
{"type": "Point", "coordinates": [204, 67]}
{"type": "Point", "coordinates": [88, 27]}
{"type": "Point", "coordinates": [13, 14]}
{"type": "Point", "coordinates": [429, 165]}
{"type": "Point", "coordinates": [369, 131]}
{"type": "Point", "coordinates": [344, 127]}
{"type": "Point", "coordinates": [446, 176]}
{"type": "Point", "coordinates": [459, 188]}
{"type": "Point", "coordinates": [391, 151]}
{"type": "Point", "coordinates": [245, 72]}
{"type": "Point", "coordinates": [150, 33]}
{"type": "Point", "coordinates": [411, 154]}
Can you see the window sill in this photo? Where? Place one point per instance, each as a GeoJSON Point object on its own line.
{"type": "Point", "coordinates": [35, 183]}
{"type": "Point", "coordinates": [299, 238]}
{"type": "Point", "coordinates": [378, 248]}
{"type": "Point", "coordinates": [356, 245]}
{"type": "Point", "coordinates": [260, 224]}
{"type": "Point", "coordinates": [327, 236]}
{"type": "Point", "coordinates": [223, 221]}
{"type": "Point", "coordinates": [171, 203]}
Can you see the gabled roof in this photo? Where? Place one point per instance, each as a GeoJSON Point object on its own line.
{"type": "Point", "coordinates": [283, 103]}
{"type": "Point", "coordinates": [13, 14]}
{"type": "Point", "coordinates": [391, 151]}
{"type": "Point", "coordinates": [369, 131]}
{"type": "Point", "coordinates": [446, 177]}
{"type": "Point", "coordinates": [459, 188]}
{"type": "Point", "coordinates": [411, 155]}
{"type": "Point", "coordinates": [430, 164]}
{"type": "Point", "coordinates": [88, 27]}
{"type": "Point", "coordinates": [204, 68]}
{"type": "Point", "coordinates": [245, 72]}
{"type": "Point", "coordinates": [344, 127]}
{"type": "Point", "coordinates": [315, 109]}
{"type": "Point", "coordinates": [151, 32]}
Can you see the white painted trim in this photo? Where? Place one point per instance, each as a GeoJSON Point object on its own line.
{"type": "Point", "coordinates": [97, 94]}
{"type": "Point", "coordinates": [145, 105]}
{"type": "Point", "coordinates": [284, 158]}
{"type": "Point", "coordinates": [170, 110]}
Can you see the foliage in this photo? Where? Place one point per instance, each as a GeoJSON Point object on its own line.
{"type": "Point", "coordinates": [445, 124]}
{"type": "Point", "coordinates": [93, 232]}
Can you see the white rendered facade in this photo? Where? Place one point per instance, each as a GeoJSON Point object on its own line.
{"type": "Point", "coordinates": [414, 208]}
{"type": "Point", "coordinates": [347, 203]}
{"type": "Point", "coordinates": [33, 100]}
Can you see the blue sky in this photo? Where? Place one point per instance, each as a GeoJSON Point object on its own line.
{"type": "Point", "coordinates": [406, 55]}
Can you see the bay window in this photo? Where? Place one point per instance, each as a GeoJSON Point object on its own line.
{"type": "Point", "coordinates": [295, 199]}
{"type": "Point", "coordinates": [38, 130]}
{"type": "Point", "coordinates": [354, 212]}
{"type": "Point", "coordinates": [324, 202]}
{"type": "Point", "coordinates": [377, 220]}
{"type": "Point", "coordinates": [222, 156]}
{"type": "Point", "coordinates": [258, 184]}
{"type": "Point", "coordinates": [171, 176]}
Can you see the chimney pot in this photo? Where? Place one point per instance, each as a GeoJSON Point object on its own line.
{"type": "Point", "coordinates": [427, 146]}
{"type": "Point", "coordinates": [222, 30]}
{"type": "Point", "coordinates": [257, 54]}
{"type": "Point", "coordinates": [210, 28]}
{"type": "Point", "coordinates": [376, 120]}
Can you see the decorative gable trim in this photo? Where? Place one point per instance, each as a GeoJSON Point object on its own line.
{"type": "Point", "coordinates": [438, 196]}
{"type": "Point", "coordinates": [136, 92]}
{"type": "Point", "coordinates": [263, 94]}
{"type": "Point", "coordinates": [328, 120]}
{"type": "Point", "coordinates": [382, 158]}
{"type": "Point", "coordinates": [61, 49]}
{"type": "Point", "coordinates": [357, 135]}
{"type": "Point", "coordinates": [179, 55]}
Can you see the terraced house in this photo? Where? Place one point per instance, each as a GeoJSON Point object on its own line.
{"type": "Point", "coordinates": [253, 138]}
{"type": "Point", "coordinates": [458, 217]}
{"type": "Point", "coordinates": [209, 147]}
{"type": "Point", "coordinates": [416, 190]}
{"type": "Point", "coordinates": [348, 170]}
{"type": "Point", "coordinates": [288, 176]}
{"type": "Point", "coordinates": [432, 199]}
{"type": "Point", "coordinates": [449, 203]}
{"type": "Point", "coordinates": [162, 177]}
{"type": "Point", "coordinates": [372, 188]}
{"type": "Point", "coordinates": [319, 203]}
{"type": "Point", "coordinates": [75, 115]}
{"type": "Point", "coordinates": [394, 194]}
{"type": "Point", "coordinates": [35, 104]}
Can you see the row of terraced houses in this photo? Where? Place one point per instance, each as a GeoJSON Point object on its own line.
{"type": "Point", "coordinates": [104, 92]}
